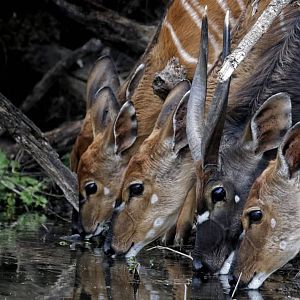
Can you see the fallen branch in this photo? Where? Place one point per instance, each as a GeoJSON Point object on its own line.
{"type": "Point", "coordinates": [108, 25]}
{"type": "Point", "coordinates": [31, 138]}
{"type": "Point", "coordinates": [262, 24]}
{"type": "Point", "coordinates": [43, 86]}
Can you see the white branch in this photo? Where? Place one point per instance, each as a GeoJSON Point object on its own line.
{"type": "Point", "coordinates": [262, 24]}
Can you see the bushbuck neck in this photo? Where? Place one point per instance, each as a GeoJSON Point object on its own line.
{"type": "Point", "coordinates": [271, 216]}
{"type": "Point", "coordinates": [228, 161]}
{"type": "Point", "coordinates": [117, 142]}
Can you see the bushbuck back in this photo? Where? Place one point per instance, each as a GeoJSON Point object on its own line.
{"type": "Point", "coordinates": [271, 216]}
{"type": "Point", "coordinates": [228, 160]}
{"type": "Point", "coordinates": [102, 165]}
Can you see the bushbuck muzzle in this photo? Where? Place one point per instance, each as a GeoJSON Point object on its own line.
{"type": "Point", "coordinates": [271, 216]}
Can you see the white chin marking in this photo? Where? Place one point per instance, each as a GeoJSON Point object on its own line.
{"type": "Point", "coordinates": [134, 250]}
{"type": "Point", "coordinates": [237, 199]}
{"type": "Point", "coordinates": [202, 218]}
{"type": "Point", "coordinates": [227, 264]}
{"type": "Point", "coordinates": [106, 190]}
{"type": "Point", "coordinates": [257, 281]}
{"type": "Point", "coordinates": [150, 234]}
{"type": "Point", "coordinates": [154, 199]}
{"type": "Point", "coordinates": [158, 222]}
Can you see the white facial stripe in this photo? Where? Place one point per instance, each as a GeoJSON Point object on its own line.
{"type": "Point", "coordinates": [237, 199]}
{"type": "Point", "coordinates": [153, 199]}
{"type": "Point", "coordinates": [202, 218]}
{"type": "Point", "coordinates": [185, 55]}
{"type": "Point", "coordinates": [97, 231]}
{"type": "Point", "coordinates": [257, 281]}
{"type": "Point", "coordinates": [273, 223]}
{"type": "Point", "coordinates": [106, 190]}
{"type": "Point", "coordinates": [158, 222]}
{"type": "Point", "coordinates": [242, 235]}
{"type": "Point", "coordinates": [135, 249]}
{"type": "Point", "coordinates": [227, 264]}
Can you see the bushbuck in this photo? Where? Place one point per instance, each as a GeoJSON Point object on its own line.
{"type": "Point", "coordinates": [102, 165]}
{"type": "Point", "coordinates": [152, 196]}
{"type": "Point", "coordinates": [163, 174]}
{"type": "Point", "coordinates": [271, 216]}
{"type": "Point", "coordinates": [228, 158]}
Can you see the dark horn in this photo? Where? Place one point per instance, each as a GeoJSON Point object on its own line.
{"type": "Point", "coordinates": [196, 103]}
{"type": "Point", "coordinates": [217, 112]}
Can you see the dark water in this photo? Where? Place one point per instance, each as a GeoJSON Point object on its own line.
{"type": "Point", "coordinates": [35, 264]}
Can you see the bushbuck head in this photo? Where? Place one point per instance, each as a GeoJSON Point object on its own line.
{"type": "Point", "coordinates": [101, 166]}
{"type": "Point", "coordinates": [227, 165]}
{"type": "Point", "coordinates": [151, 195]}
{"type": "Point", "coordinates": [271, 216]}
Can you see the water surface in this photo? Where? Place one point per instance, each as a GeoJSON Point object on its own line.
{"type": "Point", "coordinates": [35, 264]}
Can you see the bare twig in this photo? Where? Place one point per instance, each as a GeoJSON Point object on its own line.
{"type": "Point", "coordinates": [31, 138]}
{"type": "Point", "coordinates": [43, 86]}
{"type": "Point", "coordinates": [262, 24]}
{"type": "Point", "coordinates": [108, 25]}
{"type": "Point", "coordinates": [172, 250]}
{"type": "Point", "coordinates": [236, 286]}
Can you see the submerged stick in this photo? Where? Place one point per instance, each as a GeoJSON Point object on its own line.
{"type": "Point", "coordinates": [31, 138]}
{"type": "Point", "coordinates": [172, 250]}
{"type": "Point", "coordinates": [262, 24]}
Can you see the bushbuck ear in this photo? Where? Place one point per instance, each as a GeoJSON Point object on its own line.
{"type": "Point", "coordinates": [288, 156]}
{"type": "Point", "coordinates": [103, 74]}
{"type": "Point", "coordinates": [125, 128]}
{"type": "Point", "coordinates": [179, 124]}
{"type": "Point", "coordinates": [104, 110]}
{"type": "Point", "coordinates": [134, 80]}
{"type": "Point", "coordinates": [269, 124]}
{"type": "Point", "coordinates": [171, 102]}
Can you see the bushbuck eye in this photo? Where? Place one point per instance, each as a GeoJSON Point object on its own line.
{"type": "Point", "coordinates": [90, 188]}
{"type": "Point", "coordinates": [218, 194]}
{"type": "Point", "coordinates": [136, 189]}
{"type": "Point", "coordinates": [255, 216]}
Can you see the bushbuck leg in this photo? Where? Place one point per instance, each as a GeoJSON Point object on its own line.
{"type": "Point", "coordinates": [229, 159]}
{"type": "Point", "coordinates": [271, 216]}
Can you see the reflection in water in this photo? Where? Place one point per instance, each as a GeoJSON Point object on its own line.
{"type": "Point", "coordinates": [33, 265]}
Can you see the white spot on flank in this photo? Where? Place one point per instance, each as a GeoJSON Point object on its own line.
{"type": "Point", "coordinates": [241, 5]}
{"type": "Point", "coordinates": [227, 264]}
{"type": "Point", "coordinates": [237, 199]}
{"type": "Point", "coordinates": [282, 245]}
{"type": "Point", "coordinates": [154, 199]}
{"type": "Point", "coordinates": [257, 281]}
{"type": "Point", "coordinates": [106, 190]}
{"type": "Point", "coordinates": [202, 218]}
{"type": "Point", "coordinates": [273, 223]}
{"type": "Point", "coordinates": [185, 55]}
{"type": "Point", "coordinates": [158, 222]}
